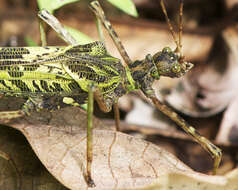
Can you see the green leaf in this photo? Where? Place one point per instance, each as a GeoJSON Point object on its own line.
{"type": "Point", "coordinates": [52, 5]}
{"type": "Point", "coordinates": [84, 106]}
{"type": "Point", "coordinates": [125, 5]}
{"type": "Point", "coordinates": [29, 41]}
{"type": "Point", "coordinates": [79, 36]}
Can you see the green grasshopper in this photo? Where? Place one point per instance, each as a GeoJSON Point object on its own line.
{"type": "Point", "coordinates": [46, 75]}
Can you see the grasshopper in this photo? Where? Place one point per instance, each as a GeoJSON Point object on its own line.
{"type": "Point", "coordinates": [46, 75]}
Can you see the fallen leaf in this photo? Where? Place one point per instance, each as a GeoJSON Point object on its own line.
{"type": "Point", "coordinates": [119, 160]}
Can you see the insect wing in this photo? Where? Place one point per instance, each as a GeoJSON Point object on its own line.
{"type": "Point", "coordinates": [95, 49]}
{"type": "Point", "coordinates": [91, 63]}
{"type": "Point", "coordinates": [10, 56]}
{"type": "Point", "coordinates": [33, 71]}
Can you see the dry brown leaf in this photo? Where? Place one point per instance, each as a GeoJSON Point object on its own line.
{"type": "Point", "coordinates": [135, 164]}
{"type": "Point", "coordinates": [119, 160]}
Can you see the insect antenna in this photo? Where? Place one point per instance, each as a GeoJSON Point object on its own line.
{"type": "Point", "coordinates": [177, 41]}
{"type": "Point", "coordinates": [181, 30]}
{"type": "Point", "coordinates": [180, 23]}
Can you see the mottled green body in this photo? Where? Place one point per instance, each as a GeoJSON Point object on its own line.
{"type": "Point", "coordinates": [62, 71]}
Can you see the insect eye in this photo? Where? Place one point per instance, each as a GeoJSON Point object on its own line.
{"type": "Point", "coordinates": [176, 68]}
{"type": "Point", "coordinates": [166, 50]}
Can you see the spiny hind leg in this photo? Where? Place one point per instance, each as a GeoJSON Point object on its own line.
{"type": "Point", "coordinates": [215, 152]}
{"type": "Point", "coordinates": [98, 11]}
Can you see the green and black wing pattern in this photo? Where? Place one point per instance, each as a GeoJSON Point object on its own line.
{"type": "Point", "coordinates": [94, 65]}
{"type": "Point", "coordinates": [33, 71]}
{"type": "Point", "coordinates": [60, 71]}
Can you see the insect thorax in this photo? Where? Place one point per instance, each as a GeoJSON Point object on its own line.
{"type": "Point", "coordinates": [106, 72]}
{"type": "Point", "coordinates": [144, 73]}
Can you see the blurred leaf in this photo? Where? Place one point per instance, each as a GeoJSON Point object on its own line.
{"type": "Point", "coordinates": [79, 36]}
{"type": "Point", "coordinates": [211, 90]}
{"type": "Point", "coordinates": [126, 5]}
{"type": "Point", "coordinates": [29, 41]}
{"type": "Point", "coordinates": [84, 106]}
{"type": "Point", "coordinates": [52, 5]}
